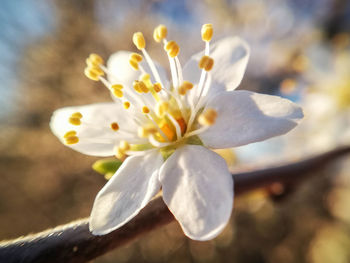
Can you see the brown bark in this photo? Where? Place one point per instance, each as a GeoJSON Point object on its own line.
{"type": "Point", "coordinates": [73, 242]}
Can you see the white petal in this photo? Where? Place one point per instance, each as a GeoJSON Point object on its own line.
{"type": "Point", "coordinates": [230, 60]}
{"type": "Point", "coordinates": [96, 137]}
{"type": "Point", "coordinates": [245, 117]}
{"type": "Point", "coordinates": [123, 73]}
{"type": "Point", "coordinates": [126, 193]}
{"type": "Point", "coordinates": [198, 189]}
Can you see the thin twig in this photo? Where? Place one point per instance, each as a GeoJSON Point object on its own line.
{"type": "Point", "coordinates": [74, 242]}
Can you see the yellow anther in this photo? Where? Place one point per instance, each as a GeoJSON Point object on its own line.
{"type": "Point", "coordinates": [136, 57]}
{"type": "Point", "coordinates": [206, 63]}
{"type": "Point", "coordinates": [71, 140]}
{"type": "Point", "coordinates": [145, 110]}
{"type": "Point", "coordinates": [208, 117]}
{"type": "Point", "coordinates": [187, 85]}
{"type": "Point", "coordinates": [207, 32]}
{"type": "Point", "coordinates": [140, 86]}
{"type": "Point", "coordinates": [126, 105]}
{"type": "Point", "coordinates": [144, 132]}
{"type": "Point", "coordinates": [157, 87]}
{"type": "Point", "coordinates": [77, 115]}
{"type": "Point", "coordinates": [160, 32]}
{"type": "Point", "coordinates": [172, 48]}
{"type": "Point", "coordinates": [145, 78]}
{"type": "Point", "coordinates": [95, 59]}
{"type": "Point", "coordinates": [97, 71]}
{"type": "Point", "coordinates": [139, 40]}
{"type": "Point", "coordinates": [134, 64]}
{"type": "Point", "coordinates": [117, 86]}
{"type": "Point", "coordinates": [161, 108]}
{"type": "Point", "coordinates": [69, 134]}
{"type": "Point", "coordinates": [182, 90]}
{"type": "Point", "coordinates": [74, 121]}
{"type": "Point", "coordinates": [91, 63]}
{"type": "Point", "coordinates": [118, 93]}
{"type": "Point", "coordinates": [119, 153]}
{"type": "Point", "coordinates": [136, 86]}
{"type": "Point", "coordinates": [114, 126]}
{"type": "Point", "coordinates": [124, 146]}
{"type": "Point", "coordinates": [91, 74]}
{"type": "Point", "coordinates": [143, 87]}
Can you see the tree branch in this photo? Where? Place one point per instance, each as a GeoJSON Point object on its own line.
{"type": "Point", "coordinates": [73, 242]}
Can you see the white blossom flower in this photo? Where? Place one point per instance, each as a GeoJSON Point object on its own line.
{"type": "Point", "coordinates": [164, 131]}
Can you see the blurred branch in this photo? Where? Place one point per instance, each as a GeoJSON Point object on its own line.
{"type": "Point", "coordinates": [73, 242]}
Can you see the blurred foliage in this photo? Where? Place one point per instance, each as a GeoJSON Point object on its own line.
{"type": "Point", "coordinates": [301, 47]}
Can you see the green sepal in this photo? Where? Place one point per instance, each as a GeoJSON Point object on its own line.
{"type": "Point", "coordinates": [194, 140]}
{"type": "Point", "coordinates": [166, 152]}
{"type": "Point", "coordinates": [107, 167]}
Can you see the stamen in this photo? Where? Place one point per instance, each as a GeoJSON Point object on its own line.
{"type": "Point", "coordinates": [118, 93]}
{"type": "Point", "coordinates": [77, 115]}
{"type": "Point", "coordinates": [182, 90]}
{"type": "Point", "coordinates": [134, 64]}
{"type": "Point", "coordinates": [145, 131]}
{"type": "Point", "coordinates": [145, 110]}
{"type": "Point", "coordinates": [159, 33]}
{"type": "Point", "coordinates": [114, 126]}
{"type": "Point", "coordinates": [162, 134]}
{"type": "Point", "coordinates": [69, 134]}
{"type": "Point", "coordinates": [119, 153]}
{"type": "Point", "coordinates": [136, 86]}
{"type": "Point", "coordinates": [124, 146]}
{"type": "Point", "coordinates": [156, 143]}
{"type": "Point", "coordinates": [134, 61]}
{"type": "Point", "coordinates": [179, 69]}
{"type": "Point", "coordinates": [161, 108]}
{"type": "Point", "coordinates": [75, 118]}
{"type": "Point", "coordinates": [187, 85]}
{"type": "Point", "coordinates": [207, 32]}
{"type": "Point", "coordinates": [126, 105]}
{"type": "Point", "coordinates": [71, 140]}
{"type": "Point", "coordinates": [172, 48]}
{"type": "Point", "coordinates": [139, 40]}
{"type": "Point", "coordinates": [74, 121]}
{"type": "Point", "coordinates": [208, 117]}
{"type": "Point", "coordinates": [105, 82]}
{"type": "Point", "coordinates": [157, 87]}
{"type": "Point", "coordinates": [152, 66]}
{"type": "Point", "coordinates": [96, 59]}
{"type": "Point", "coordinates": [140, 86]}
{"type": "Point", "coordinates": [143, 87]}
{"type": "Point", "coordinates": [196, 132]}
{"type": "Point", "coordinates": [117, 86]}
{"type": "Point", "coordinates": [206, 63]}
{"type": "Point", "coordinates": [136, 57]}
{"type": "Point", "coordinates": [93, 73]}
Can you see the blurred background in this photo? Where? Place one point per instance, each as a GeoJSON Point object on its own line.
{"type": "Point", "coordinates": [300, 50]}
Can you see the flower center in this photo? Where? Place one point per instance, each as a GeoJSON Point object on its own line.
{"type": "Point", "coordinates": [166, 116]}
